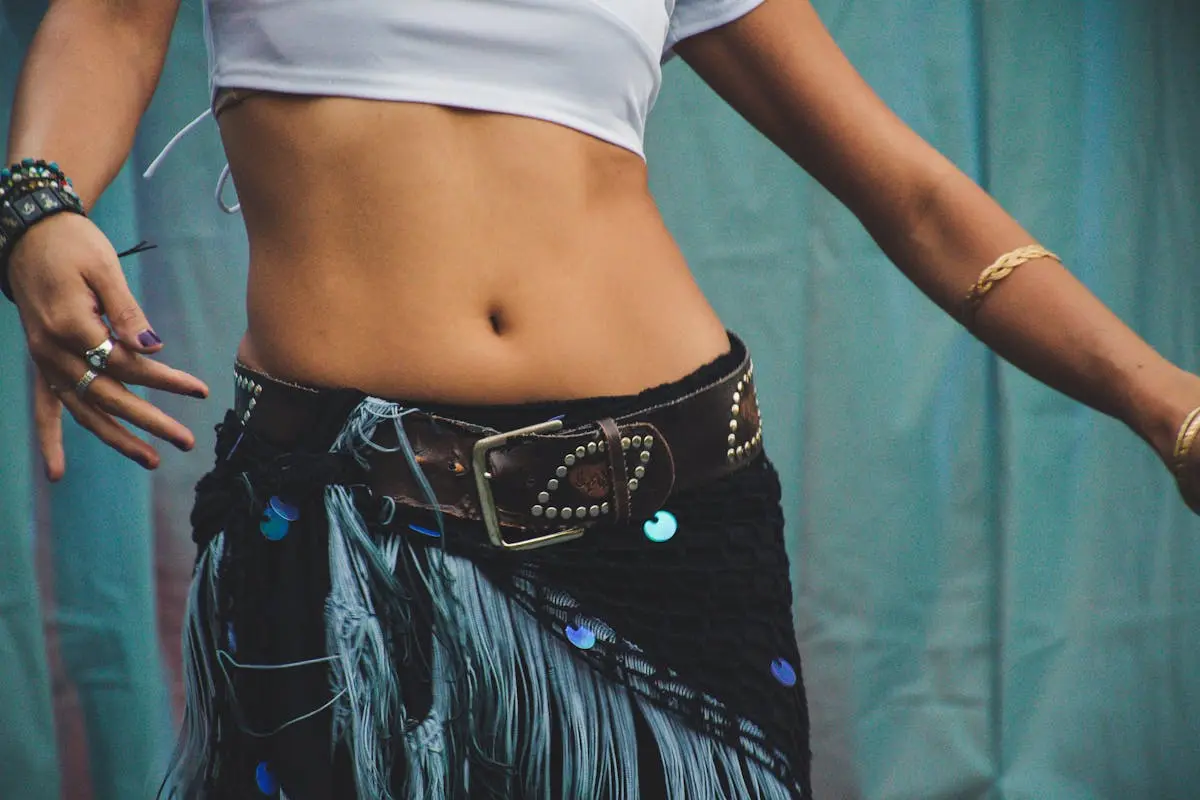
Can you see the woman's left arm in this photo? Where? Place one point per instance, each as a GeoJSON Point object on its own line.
{"type": "Point", "coordinates": [781, 70]}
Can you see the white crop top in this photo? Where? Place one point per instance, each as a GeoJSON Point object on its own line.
{"type": "Point", "coordinates": [591, 65]}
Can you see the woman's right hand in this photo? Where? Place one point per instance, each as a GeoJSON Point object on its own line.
{"type": "Point", "coordinates": [72, 295]}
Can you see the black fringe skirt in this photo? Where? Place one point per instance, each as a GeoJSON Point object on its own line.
{"type": "Point", "coordinates": [340, 646]}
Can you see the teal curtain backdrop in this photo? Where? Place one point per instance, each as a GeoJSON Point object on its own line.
{"type": "Point", "coordinates": [997, 593]}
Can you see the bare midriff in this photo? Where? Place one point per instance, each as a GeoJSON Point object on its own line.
{"type": "Point", "coordinates": [428, 253]}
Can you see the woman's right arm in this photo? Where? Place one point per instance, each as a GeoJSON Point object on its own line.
{"type": "Point", "coordinates": [85, 83]}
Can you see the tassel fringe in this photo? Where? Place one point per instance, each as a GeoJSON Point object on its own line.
{"type": "Point", "coordinates": [191, 761]}
{"type": "Point", "coordinates": [504, 689]}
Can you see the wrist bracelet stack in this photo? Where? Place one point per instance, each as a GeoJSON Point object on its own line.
{"type": "Point", "coordinates": [30, 191]}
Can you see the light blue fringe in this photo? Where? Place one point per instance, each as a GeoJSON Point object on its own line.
{"type": "Point", "coordinates": [517, 683]}
{"type": "Point", "coordinates": [511, 657]}
{"type": "Point", "coordinates": [502, 685]}
{"type": "Point", "coordinates": [372, 707]}
{"type": "Point", "coordinates": [363, 666]}
{"type": "Point", "coordinates": [189, 763]}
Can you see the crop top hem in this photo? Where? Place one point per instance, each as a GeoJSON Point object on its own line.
{"type": "Point", "coordinates": [594, 66]}
{"type": "Point", "coordinates": [455, 94]}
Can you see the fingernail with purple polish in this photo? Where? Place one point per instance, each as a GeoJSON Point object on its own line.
{"type": "Point", "coordinates": [148, 338]}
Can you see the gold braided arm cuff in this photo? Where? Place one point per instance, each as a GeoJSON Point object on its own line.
{"type": "Point", "coordinates": [1000, 269]}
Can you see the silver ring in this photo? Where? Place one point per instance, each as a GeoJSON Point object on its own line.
{"type": "Point", "coordinates": [97, 357]}
{"type": "Point", "coordinates": [81, 386]}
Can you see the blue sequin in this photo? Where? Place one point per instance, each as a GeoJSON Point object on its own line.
{"type": "Point", "coordinates": [231, 638]}
{"type": "Point", "coordinates": [285, 510]}
{"type": "Point", "coordinates": [273, 526]}
{"type": "Point", "coordinates": [581, 636]}
{"type": "Point", "coordinates": [265, 779]}
{"type": "Point", "coordinates": [661, 527]}
{"type": "Point", "coordinates": [783, 671]}
{"type": "Point", "coordinates": [425, 531]}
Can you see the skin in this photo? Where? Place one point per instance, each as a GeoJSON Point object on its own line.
{"type": "Point", "coordinates": [477, 257]}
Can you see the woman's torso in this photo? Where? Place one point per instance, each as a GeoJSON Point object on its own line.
{"type": "Point", "coordinates": [423, 252]}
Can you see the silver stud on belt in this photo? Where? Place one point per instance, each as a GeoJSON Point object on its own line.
{"type": "Point", "coordinates": [542, 508]}
{"type": "Point", "coordinates": [743, 395]}
{"type": "Point", "coordinates": [251, 386]}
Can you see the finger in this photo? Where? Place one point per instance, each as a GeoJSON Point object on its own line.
{"type": "Point", "coordinates": [124, 314]}
{"type": "Point", "coordinates": [59, 338]}
{"type": "Point", "coordinates": [109, 431]}
{"type": "Point", "coordinates": [47, 420]}
{"type": "Point", "coordinates": [109, 396]}
{"type": "Point", "coordinates": [128, 367]}
{"type": "Point", "coordinates": [112, 398]}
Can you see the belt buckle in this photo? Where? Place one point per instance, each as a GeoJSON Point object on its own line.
{"type": "Point", "coordinates": [487, 502]}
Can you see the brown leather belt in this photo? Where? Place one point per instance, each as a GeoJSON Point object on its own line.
{"type": "Point", "coordinates": [542, 484]}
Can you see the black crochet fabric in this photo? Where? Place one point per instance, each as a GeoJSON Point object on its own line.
{"type": "Point", "coordinates": [700, 618]}
{"type": "Point", "coordinates": [706, 613]}
{"type": "Point", "coordinates": [699, 625]}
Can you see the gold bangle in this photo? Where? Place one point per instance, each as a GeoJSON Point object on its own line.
{"type": "Point", "coordinates": [1000, 269]}
{"type": "Point", "coordinates": [1187, 474]}
{"type": "Point", "coordinates": [1186, 438]}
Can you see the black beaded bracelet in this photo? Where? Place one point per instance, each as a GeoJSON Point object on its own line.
{"type": "Point", "coordinates": [30, 191]}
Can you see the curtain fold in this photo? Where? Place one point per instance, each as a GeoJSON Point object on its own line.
{"type": "Point", "coordinates": [996, 596]}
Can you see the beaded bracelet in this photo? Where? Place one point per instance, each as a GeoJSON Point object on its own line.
{"type": "Point", "coordinates": [30, 191]}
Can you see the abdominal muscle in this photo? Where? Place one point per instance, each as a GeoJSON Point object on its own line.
{"type": "Point", "coordinates": [426, 253]}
